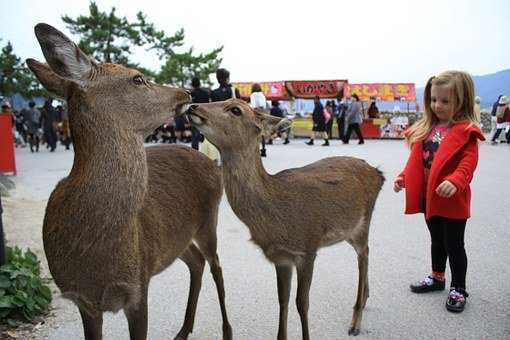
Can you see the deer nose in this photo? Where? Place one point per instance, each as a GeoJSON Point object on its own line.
{"type": "Point", "coordinates": [192, 108]}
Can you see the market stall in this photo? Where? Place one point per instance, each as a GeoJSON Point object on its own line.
{"type": "Point", "coordinates": [384, 127]}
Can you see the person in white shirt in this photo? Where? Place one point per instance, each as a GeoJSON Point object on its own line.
{"type": "Point", "coordinates": [258, 101]}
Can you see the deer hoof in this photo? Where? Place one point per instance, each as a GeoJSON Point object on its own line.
{"type": "Point", "coordinates": [181, 337]}
{"type": "Point", "coordinates": [227, 332]}
{"type": "Point", "coordinates": [353, 331]}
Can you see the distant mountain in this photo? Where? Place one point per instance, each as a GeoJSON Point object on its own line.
{"type": "Point", "coordinates": [488, 87]}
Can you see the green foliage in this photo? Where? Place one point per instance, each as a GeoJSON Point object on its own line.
{"type": "Point", "coordinates": [110, 38]}
{"type": "Point", "coordinates": [104, 36]}
{"type": "Point", "coordinates": [180, 68]}
{"type": "Point", "coordinates": [15, 77]}
{"type": "Point", "coordinates": [23, 295]}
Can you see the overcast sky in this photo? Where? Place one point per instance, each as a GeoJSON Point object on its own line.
{"type": "Point", "coordinates": [362, 41]}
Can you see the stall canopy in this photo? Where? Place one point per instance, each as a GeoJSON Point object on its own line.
{"type": "Point", "coordinates": [306, 89]}
{"type": "Point", "coordinates": [382, 91]}
{"type": "Point", "coordinates": [273, 90]}
{"type": "Point", "coordinates": [309, 89]}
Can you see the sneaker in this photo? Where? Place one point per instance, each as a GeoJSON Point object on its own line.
{"type": "Point", "coordinates": [429, 284]}
{"type": "Point", "coordinates": [456, 300]}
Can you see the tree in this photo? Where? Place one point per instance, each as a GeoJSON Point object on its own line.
{"type": "Point", "coordinates": [104, 36]}
{"type": "Point", "coordinates": [180, 68]}
{"type": "Point", "coordinates": [110, 38]}
{"type": "Point", "coordinates": [15, 77]}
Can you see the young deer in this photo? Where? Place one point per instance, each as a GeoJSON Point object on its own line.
{"type": "Point", "coordinates": [297, 211]}
{"type": "Point", "coordinates": [124, 213]}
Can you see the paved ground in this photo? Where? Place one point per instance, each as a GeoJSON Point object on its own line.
{"type": "Point", "coordinates": [399, 255]}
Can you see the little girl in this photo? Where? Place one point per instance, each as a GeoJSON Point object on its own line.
{"type": "Point", "coordinates": [443, 158]}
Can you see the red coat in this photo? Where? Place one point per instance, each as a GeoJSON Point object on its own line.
{"type": "Point", "coordinates": [454, 161]}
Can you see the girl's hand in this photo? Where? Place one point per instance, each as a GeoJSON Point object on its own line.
{"type": "Point", "coordinates": [398, 184]}
{"type": "Point", "coordinates": [446, 189]}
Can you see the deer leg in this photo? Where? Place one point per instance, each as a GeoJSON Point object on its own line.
{"type": "Point", "coordinates": [207, 243]}
{"type": "Point", "coordinates": [362, 296]}
{"type": "Point", "coordinates": [284, 278]}
{"type": "Point", "coordinates": [305, 274]}
{"type": "Point", "coordinates": [195, 262]}
{"type": "Point", "coordinates": [137, 316]}
{"type": "Point", "coordinates": [92, 325]}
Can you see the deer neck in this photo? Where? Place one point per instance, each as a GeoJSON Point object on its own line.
{"type": "Point", "coordinates": [110, 164]}
{"type": "Point", "coordinates": [246, 180]}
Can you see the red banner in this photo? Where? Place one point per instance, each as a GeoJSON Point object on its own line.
{"type": "Point", "coordinates": [380, 91]}
{"type": "Point", "coordinates": [271, 89]}
{"type": "Point", "coordinates": [309, 89]}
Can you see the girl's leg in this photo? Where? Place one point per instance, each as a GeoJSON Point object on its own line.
{"type": "Point", "coordinates": [437, 247]}
{"type": "Point", "coordinates": [454, 241]}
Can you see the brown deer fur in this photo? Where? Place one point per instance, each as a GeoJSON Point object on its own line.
{"type": "Point", "coordinates": [124, 213]}
{"type": "Point", "coordinates": [295, 212]}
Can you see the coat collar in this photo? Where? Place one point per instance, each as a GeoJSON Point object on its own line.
{"type": "Point", "coordinates": [460, 134]}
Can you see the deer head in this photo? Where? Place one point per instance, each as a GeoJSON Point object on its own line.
{"type": "Point", "coordinates": [233, 123]}
{"type": "Point", "coordinates": [103, 93]}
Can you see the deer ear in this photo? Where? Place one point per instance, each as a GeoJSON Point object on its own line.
{"type": "Point", "coordinates": [271, 124]}
{"type": "Point", "coordinates": [63, 56]}
{"type": "Point", "coordinates": [48, 78]}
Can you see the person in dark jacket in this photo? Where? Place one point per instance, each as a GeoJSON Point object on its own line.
{"type": "Point", "coordinates": [319, 123]}
{"type": "Point", "coordinates": [278, 112]}
{"type": "Point", "coordinates": [340, 117]}
{"type": "Point", "coordinates": [373, 111]}
{"type": "Point", "coordinates": [493, 116]}
{"type": "Point", "coordinates": [198, 95]}
{"type": "Point", "coordinates": [224, 91]}
{"type": "Point", "coordinates": [48, 122]}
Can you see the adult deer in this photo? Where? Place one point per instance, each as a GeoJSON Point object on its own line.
{"type": "Point", "coordinates": [124, 213]}
{"type": "Point", "coordinates": [295, 212]}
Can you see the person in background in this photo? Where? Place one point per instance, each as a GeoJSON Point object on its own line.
{"type": "Point", "coordinates": [342, 108]}
{"type": "Point", "coordinates": [502, 120]}
{"type": "Point", "coordinates": [373, 110]}
{"type": "Point", "coordinates": [65, 131]}
{"type": "Point", "coordinates": [223, 92]}
{"type": "Point", "coordinates": [319, 123]}
{"type": "Point", "coordinates": [32, 118]}
{"type": "Point", "coordinates": [440, 167]}
{"type": "Point", "coordinates": [493, 116]}
{"type": "Point", "coordinates": [328, 116]}
{"type": "Point", "coordinates": [258, 102]}
{"type": "Point", "coordinates": [198, 95]}
{"type": "Point", "coordinates": [278, 112]}
{"type": "Point", "coordinates": [48, 123]}
{"type": "Point", "coordinates": [354, 119]}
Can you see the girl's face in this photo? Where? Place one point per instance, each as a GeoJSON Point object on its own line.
{"type": "Point", "coordinates": [441, 103]}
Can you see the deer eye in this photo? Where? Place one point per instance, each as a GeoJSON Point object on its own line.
{"type": "Point", "coordinates": [138, 80]}
{"type": "Point", "coordinates": [236, 111]}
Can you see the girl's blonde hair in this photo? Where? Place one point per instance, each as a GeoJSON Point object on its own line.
{"type": "Point", "coordinates": [462, 94]}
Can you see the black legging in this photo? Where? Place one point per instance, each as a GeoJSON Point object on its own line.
{"type": "Point", "coordinates": [447, 237]}
{"type": "Point", "coordinates": [353, 127]}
